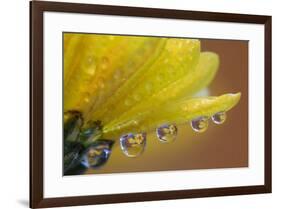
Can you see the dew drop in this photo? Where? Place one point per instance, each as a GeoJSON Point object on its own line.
{"type": "Point", "coordinates": [135, 123]}
{"type": "Point", "coordinates": [199, 124]}
{"type": "Point", "coordinates": [137, 97]}
{"type": "Point", "coordinates": [167, 133]}
{"type": "Point", "coordinates": [87, 99]}
{"type": "Point", "coordinates": [133, 145]}
{"type": "Point", "coordinates": [160, 77]}
{"type": "Point", "coordinates": [101, 83]}
{"type": "Point", "coordinates": [128, 102]}
{"type": "Point", "coordinates": [97, 154]}
{"type": "Point", "coordinates": [104, 62]}
{"type": "Point", "coordinates": [91, 70]}
{"type": "Point", "coordinates": [219, 117]}
{"type": "Point", "coordinates": [117, 75]}
{"type": "Point", "coordinates": [111, 37]}
{"type": "Point", "coordinates": [90, 60]}
{"type": "Point", "coordinates": [90, 65]}
{"type": "Point", "coordinates": [148, 87]}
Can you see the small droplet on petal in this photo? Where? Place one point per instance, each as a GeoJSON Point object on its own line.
{"type": "Point", "coordinates": [117, 75]}
{"type": "Point", "coordinates": [219, 118]}
{"type": "Point", "coordinates": [200, 124]}
{"type": "Point", "coordinates": [137, 97]}
{"type": "Point", "coordinates": [128, 102]}
{"type": "Point", "coordinates": [148, 87]}
{"type": "Point", "coordinates": [104, 62]}
{"type": "Point", "coordinates": [167, 133]}
{"type": "Point", "coordinates": [97, 154]}
{"type": "Point", "coordinates": [87, 99]}
{"type": "Point", "coordinates": [135, 122]}
{"type": "Point", "coordinates": [101, 83]}
{"type": "Point", "coordinates": [90, 65]}
{"type": "Point", "coordinates": [133, 145]}
{"type": "Point", "coordinates": [160, 77]}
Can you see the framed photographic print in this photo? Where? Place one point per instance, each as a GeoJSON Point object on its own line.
{"type": "Point", "coordinates": [138, 104]}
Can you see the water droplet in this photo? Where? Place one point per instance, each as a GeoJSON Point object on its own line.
{"type": "Point", "coordinates": [167, 133]}
{"type": "Point", "coordinates": [219, 117]}
{"type": "Point", "coordinates": [133, 145]}
{"type": "Point", "coordinates": [160, 77]}
{"type": "Point", "coordinates": [97, 154]}
{"type": "Point", "coordinates": [87, 99]}
{"type": "Point", "coordinates": [148, 87]}
{"type": "Point", "coordinates": [90, 60]}
{"type": "Point", "coordinates": [104, 62]}
{"type": "Point", "coordinates": [90, 65]}
{"type": "Point", "coordinates": [91, 70]}
{"type": "Point", "coordinates": [101, 83]}
{"type": "Point", "coordinates": [135, 122]}
{"type": "Point", "coordinates": [117, 74]}
{"type": "Point", "coordinates": [128, 102]}
{"type": "Point", "coordinates": [72, 123]}
{"type": "Point", "coordinates": [200, 124]}
{"type": "Point", "coordinates": [137, 97]}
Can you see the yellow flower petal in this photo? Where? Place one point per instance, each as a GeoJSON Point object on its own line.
{"type": "Point", "coordinates": [178, 58]}
{"type": "Point", "coordinates": [177, 112]}
{"type": "Point", "coordinates": [181, 88]}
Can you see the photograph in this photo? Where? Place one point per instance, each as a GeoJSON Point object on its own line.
{"type": "Point", "coordinates": [135, 103]}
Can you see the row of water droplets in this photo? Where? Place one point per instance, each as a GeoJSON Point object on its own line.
{"type": "Point", "coordinates": [97, 152]}
{"type": "Point", "coordinates": [133, 145]}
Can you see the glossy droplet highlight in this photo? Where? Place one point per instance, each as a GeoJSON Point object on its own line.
{"type": "Point", "coordinates": [219, 118]}
{"type": "Point", "coordinates": [90, 65]}
{"type": "Point", "coordinates": [97, 154]}
{"type": "Point", "coordinates": [200, 124]}
{"type": "Point", "coordinates": [133, 145]}
{"type": "Point", "coordinates": [104, 62]}
{"type": "Point", "coordinates": [167, 133]}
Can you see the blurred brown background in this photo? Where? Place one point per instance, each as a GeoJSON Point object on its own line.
{"type": "Point", "coordinates": [221, 146]}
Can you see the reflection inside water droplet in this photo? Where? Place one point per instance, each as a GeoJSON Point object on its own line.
{"type": "Point", "coordinates": [167, 133]}
{"type": "Point", "coordinates": [97, 154]}
{"type": "Point", "coordinates": [133, 145]}
{"type": "Point", "coordinates": [200, 124]}
{"type": "Point", "coordinates": [219, 118]}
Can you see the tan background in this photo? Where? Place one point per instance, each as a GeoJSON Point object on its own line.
{"type": "Point", "coordinates": [221, 146]}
